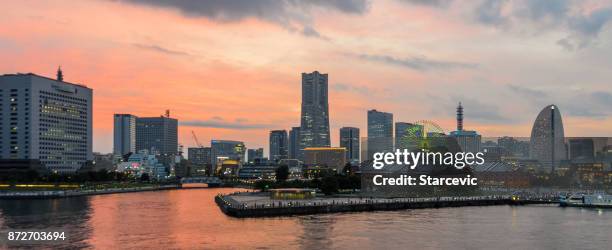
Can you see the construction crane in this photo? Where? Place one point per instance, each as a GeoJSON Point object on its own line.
{"type": "Point", "coordinates": [195, 138]}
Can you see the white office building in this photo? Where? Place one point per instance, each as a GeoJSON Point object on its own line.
{"type": "Point", "coordinates": [47, 120]}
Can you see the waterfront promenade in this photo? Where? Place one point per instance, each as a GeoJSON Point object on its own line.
{"type": "Point", "coordinates": [258, 204]}
{"type": "Point", "coordinates": [43, 194]}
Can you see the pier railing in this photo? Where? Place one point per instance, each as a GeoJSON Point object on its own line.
{"type": "Point", "coordinates": [234, 207]}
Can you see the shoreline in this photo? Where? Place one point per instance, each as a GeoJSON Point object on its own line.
{"type": "Point", "coordinates": [76, 193]}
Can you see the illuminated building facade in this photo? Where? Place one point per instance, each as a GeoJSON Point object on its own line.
{"type": "Point", "coordinates": [349, 139]}
{"type": "Point", "coordinates": [278, 145]}
{"type": "Point", "coordinates": [142, 162]}
{"type": "Point", "coordinates": [255, 154]}
{"type": "Point", "coordinates": [200, 155]}
{"type": "Point", "coordinates": [159, 135]}
{"type": "Point", "coordinates": [331, 157]}
{"type": "Point", "coordinates": [581, 149]}
{"type": "Point", "coordinates": [45, 120]}
{"type": "Point", "coordinates": [294, 143]}
{"type": "Point", "coordinates": [547, 143]}
{"type": "Point", "coordinates": [314, 128]}
{"type": "Point", "coordinates": [224, 149]}
{"type": "Point", "coordinates": [380, 132]}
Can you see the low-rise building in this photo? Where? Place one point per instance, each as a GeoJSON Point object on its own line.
{"type": "Point", "coordinates": [141, 163]}
{"type": "Point", "coordinates": [258, 171]}
{"type": "Point", "coordinates": [331, 157]}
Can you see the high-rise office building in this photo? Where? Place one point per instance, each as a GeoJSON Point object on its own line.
{"type": "Point", "coordinates": [200, 155]}
{"type": "Point", "coordinates": [380, 132]}
{"type": "Point", "coordinates": [408, 135]}
{"type": "Point", "coordinates": [45, 122]}
{"type": "Point", "coordinates": [255, 154]}
{"type": "Point", "coordinates": [278, 145]}
{"type": "Point", "coordinates": [402, 131]}
{"type": "Point", "coordinates": [227, 150]}
{"type": "Point", "coordinates": [314, 127]}
{"type": "Point", "coordinates": [294, 143]}
{"type": "Point", "coordinates": [547, 142]}
{"type": "Point", "coordinates": [200, 159]}
{"type": "Point", "coordinates": [124, 134]}
{"type": "Point", "coordinates": [349, 139]}
{"type": "Point", "coordinates": [159, 135]}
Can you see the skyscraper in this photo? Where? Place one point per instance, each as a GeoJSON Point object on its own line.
{"type": "Point", "coordinates": [254, 154]}
{"type": "Point", "coordinates": [314, 128]}
{"type": "Point", "coordinates": [349, 139]}
{"type": "Point", "coordinates": [124, 134]}
{"type": "Point", "coordinates": [547, 143]}
{"type": "Point", "coordinates": [294, 143]}
{"type": "Point", "coordinates": [157, 134]}
{"type": "Point", "coordinates": [401, 131]}
{"type": "Point", "coordinates": [278, 145]}
{"type": "Point", "coordinates": [45, 121]}
{"type": "Point", "coordinates": [199, 155]}
{"type": "Point", "coordinates": [380, 132]}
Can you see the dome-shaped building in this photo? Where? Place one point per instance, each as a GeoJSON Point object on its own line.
{"type": "Point", "coordinates": [547, 144]}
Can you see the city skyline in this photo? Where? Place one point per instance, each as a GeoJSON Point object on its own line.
{"type": "Point", "coordinates": [442, 55]}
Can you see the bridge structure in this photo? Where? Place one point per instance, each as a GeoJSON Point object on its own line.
{"type": "Point", "coordinates": [211, 181]}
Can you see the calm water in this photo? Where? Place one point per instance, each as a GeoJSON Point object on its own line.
{"type": "Point", "coordinates": [189, 219]}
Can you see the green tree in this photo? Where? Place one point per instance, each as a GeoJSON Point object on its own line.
{"type": "Point", "coordinates": [329, 185]}
{"type": "Point", "coordinates": [264, 185]}
{"type": "Point", "coordinates": [144, 177]}
{"type": "Point", "coordinates": [347, 170]}
{"type": "Point", "coordinates": [282, 173]}
{"type": "Point", "coordinates": [355, 181]}
{"type": "Point", "coordinates": [103, 175]}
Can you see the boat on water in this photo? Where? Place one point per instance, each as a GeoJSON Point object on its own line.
{"type": "Point", "coordinates": [586, 200]}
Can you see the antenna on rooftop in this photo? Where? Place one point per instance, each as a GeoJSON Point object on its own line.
{"type": "Point", "coordinates": [60, 74]}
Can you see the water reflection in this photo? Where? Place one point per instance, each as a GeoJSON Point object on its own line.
{"type": "Point", "coordinates": [188, 219]}
{"type": "Point", "coordinates": [316, 230]}
{"type": "Point", "coordinates": [55, 215]}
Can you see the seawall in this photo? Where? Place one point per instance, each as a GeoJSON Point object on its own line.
{"type": "Point", "coordinates": [302, 207]}
{"type": "Point", "coordinates": [75, 193]}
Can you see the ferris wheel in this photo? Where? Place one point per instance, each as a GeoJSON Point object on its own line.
{"type": "Point", "coordinates": [430, 129]}
{"type": "Point", "coordinates": [419, 135]}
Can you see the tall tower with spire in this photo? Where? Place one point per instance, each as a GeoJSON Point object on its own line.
{"type": "Point", "coordinates": [468, 140]}
{"type": "Point", "coordinates": [459, 117]}
{"type": "Point", "coordinates": [60, 75]}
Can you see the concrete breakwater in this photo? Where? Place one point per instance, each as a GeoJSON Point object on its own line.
{"type": "Point", "coordinates": [236, 206]}
{"type": "Point", "coordinates": [73, 193]}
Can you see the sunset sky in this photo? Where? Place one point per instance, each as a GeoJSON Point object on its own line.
{"type": "Point", "coordinates": [231, 69]}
